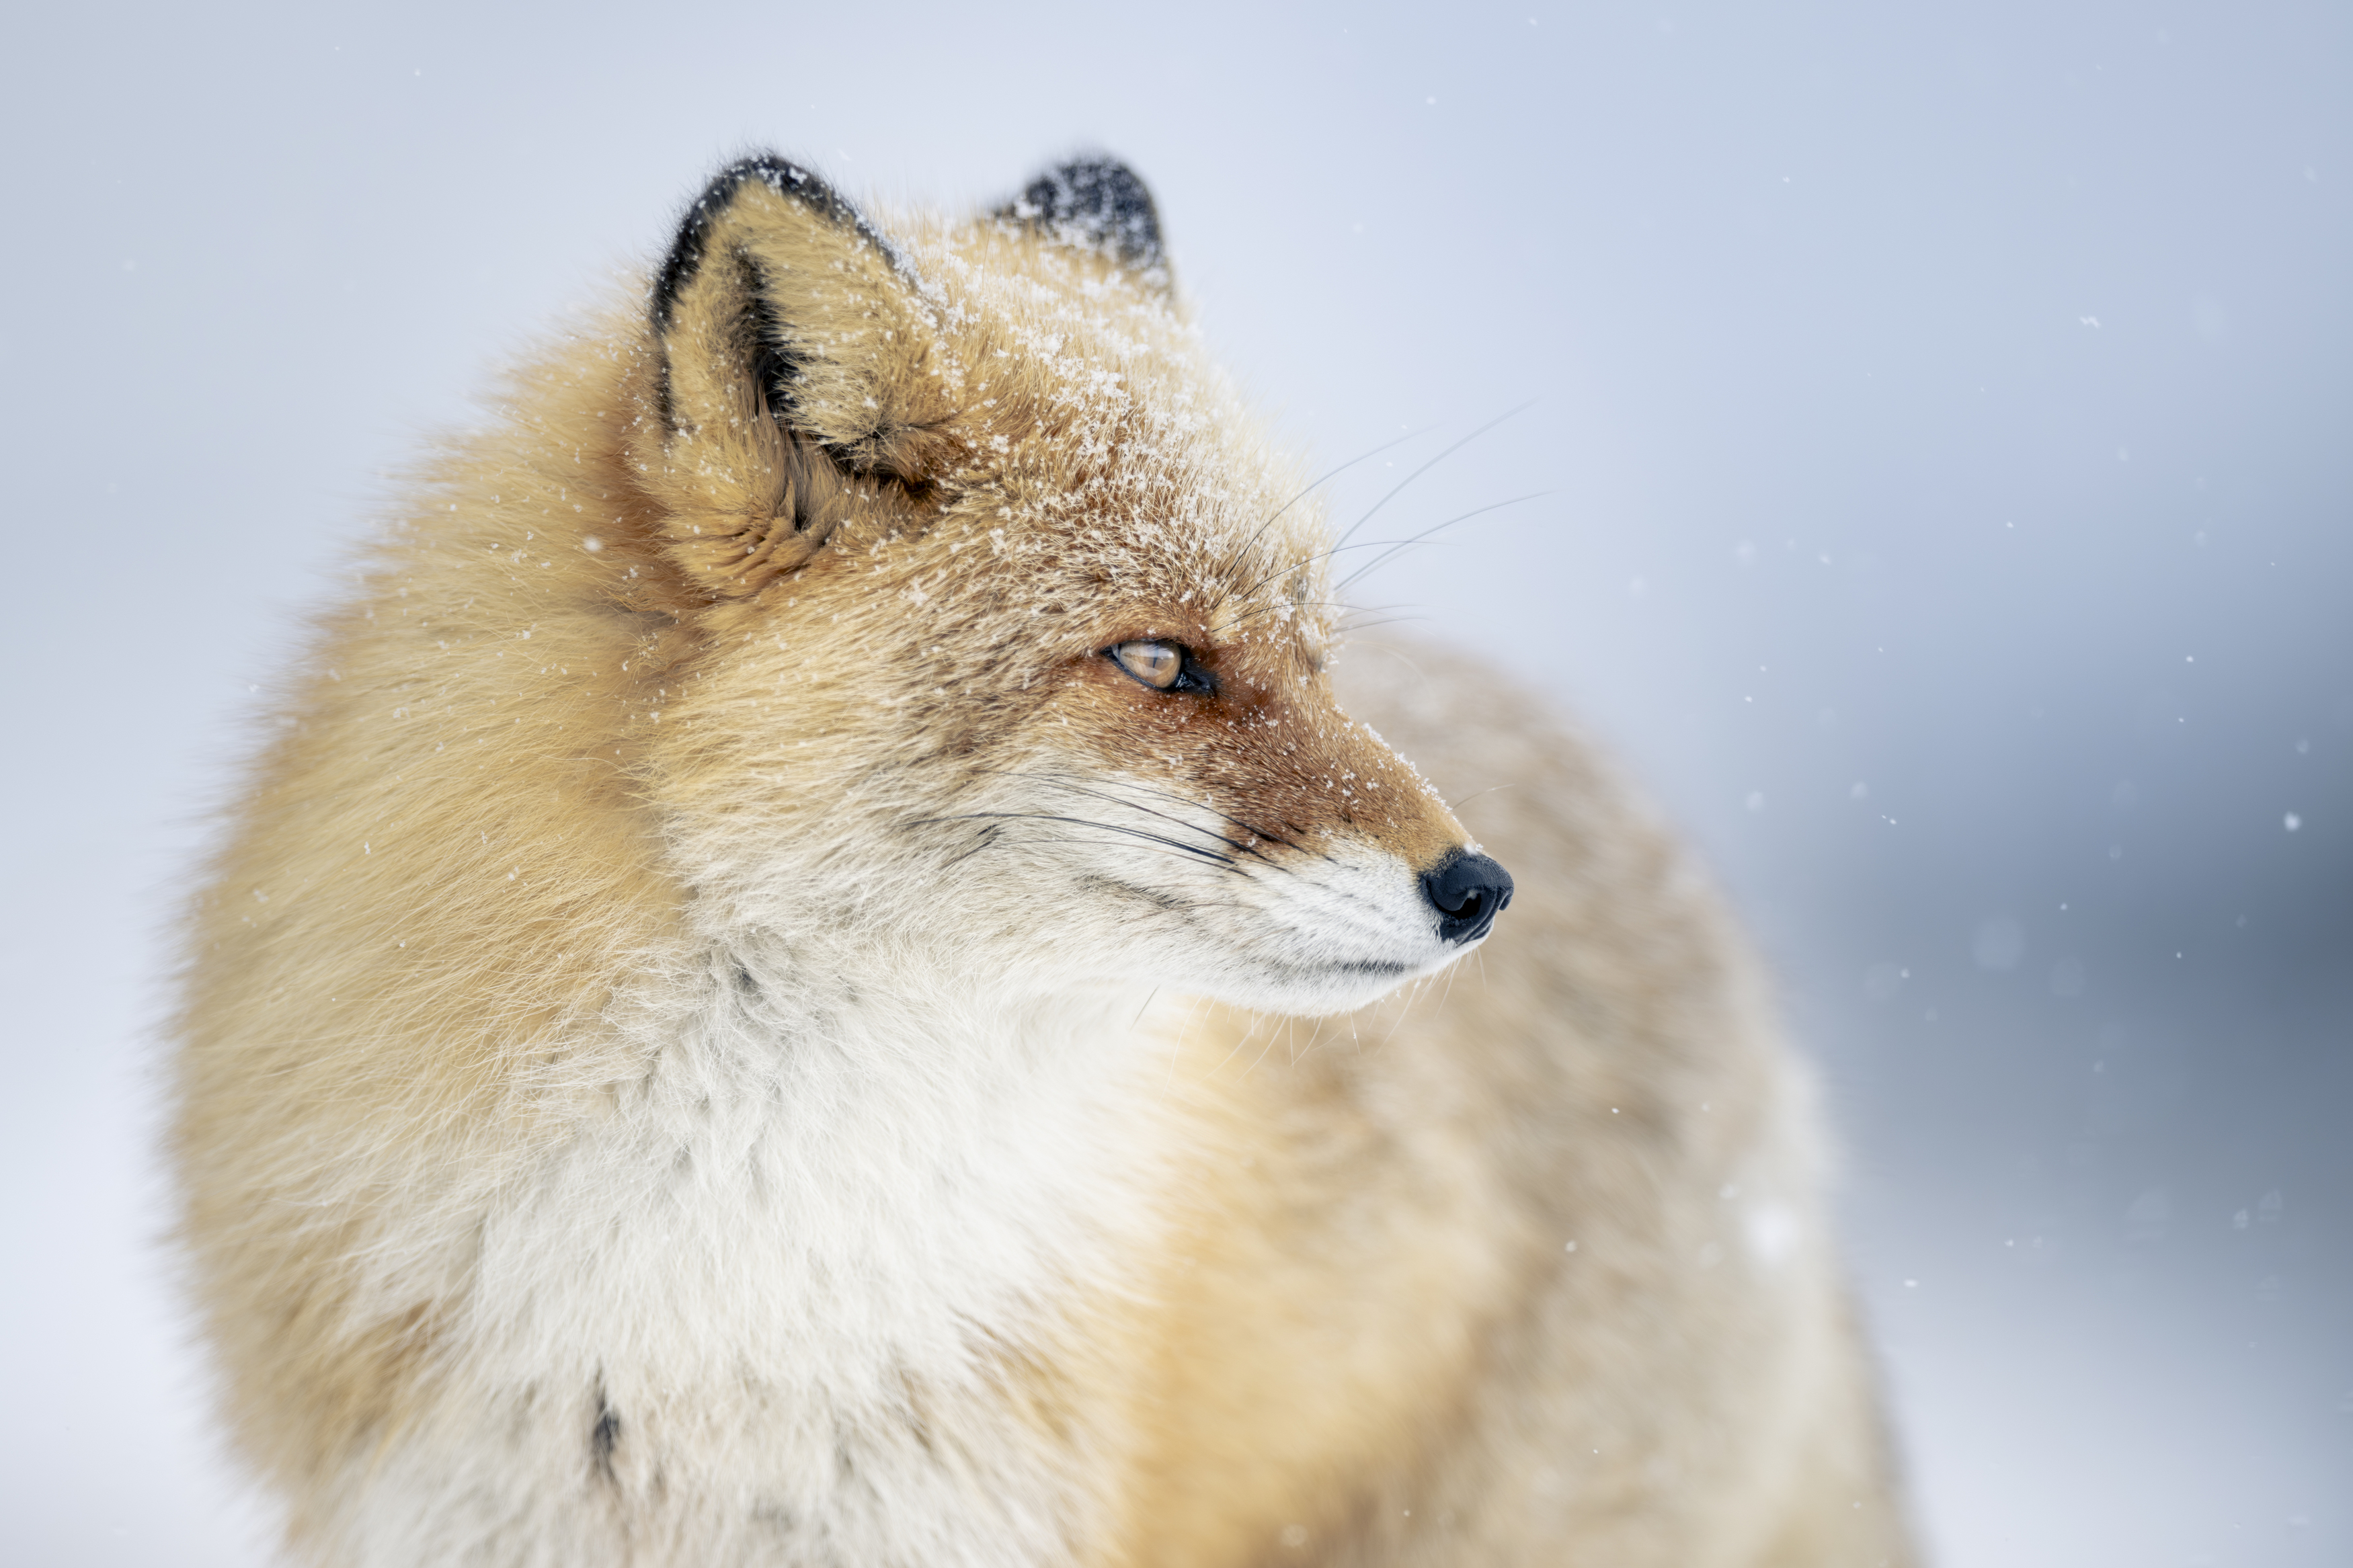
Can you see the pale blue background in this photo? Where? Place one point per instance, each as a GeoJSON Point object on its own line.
{"type": "Point", "coordinates": [1958, 404]}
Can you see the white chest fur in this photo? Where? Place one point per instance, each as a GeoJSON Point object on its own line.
{"type": "Point", "coordinates": [772, 1306]}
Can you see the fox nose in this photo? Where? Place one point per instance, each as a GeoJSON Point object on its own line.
{"type": "Point", "coordinates": [1468, 891]}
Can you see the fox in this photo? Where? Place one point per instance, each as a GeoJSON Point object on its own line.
{"type": "Point", "coordinates": [828, 965]}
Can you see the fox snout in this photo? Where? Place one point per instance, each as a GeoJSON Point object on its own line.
{"type": "Point", "coordinates": [1468, 890]}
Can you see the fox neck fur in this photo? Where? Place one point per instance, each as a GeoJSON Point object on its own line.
{"type": "Point", "coordinates": [866, 1215]}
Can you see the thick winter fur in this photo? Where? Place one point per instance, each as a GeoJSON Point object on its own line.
{"type": "Point", "coordinates": [729, 1030]}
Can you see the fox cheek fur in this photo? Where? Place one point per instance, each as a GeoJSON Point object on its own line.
{"type": "Point", "coordinates": [737, 1021]}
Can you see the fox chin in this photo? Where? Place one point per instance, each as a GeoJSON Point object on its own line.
{"type": "Point", "coordinates": [829, 967]}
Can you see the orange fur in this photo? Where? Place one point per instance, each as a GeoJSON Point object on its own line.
{"type": "Point", "coordinates": [780, 618]}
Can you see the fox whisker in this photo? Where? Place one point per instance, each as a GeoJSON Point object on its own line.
{"type": "Point", "coordinates": [1342, 543]}
{"type": "Point", "coordinates": [1408, 543]}
{"type": "Point", "coordinates": [1098, 794]}
{"type": "Point", "coordinates": [1328, 475]}
{"type": "Point", "coordinates": [1096, 786]}
{"type": "Point", "coordinates": [1383, 621]}
{"type": "Point", "coordinates": [1207, 855]}
{"type": "Point", "coordinates": [1433, 462]}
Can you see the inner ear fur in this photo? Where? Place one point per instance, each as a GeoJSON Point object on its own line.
{"type": "Point", "coordinates": [792, 379]}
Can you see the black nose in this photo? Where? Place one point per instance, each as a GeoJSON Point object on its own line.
{"type": "Point", "coordinates": [1468, 890]}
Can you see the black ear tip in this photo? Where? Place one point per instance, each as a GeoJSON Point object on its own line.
{"type": "Point", "coordinates": [686, 247]}
{"type": "Point", "coordinates": [780, 174]}
{"type": "Point", "coordinates": [1094, 202]}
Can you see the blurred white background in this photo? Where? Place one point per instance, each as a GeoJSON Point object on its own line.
{"type": "Point", "coordinates": [1947, 428]}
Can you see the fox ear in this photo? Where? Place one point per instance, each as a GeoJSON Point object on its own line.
{"type": "Point", "coordinates": [790, 382]}
{"type": "Point", "coordinates": [1095, 203]}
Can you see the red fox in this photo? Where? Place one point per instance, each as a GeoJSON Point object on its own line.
{"type": "Point", "coordinates": [818, 975]}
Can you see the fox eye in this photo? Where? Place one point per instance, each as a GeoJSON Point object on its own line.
{"type": "Point", "coordinates": [1157, 664]}
{"type": "Point", "coordinates": [1162, 666]}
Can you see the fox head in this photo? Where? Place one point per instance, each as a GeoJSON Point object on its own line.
{"type": "Point", "coordinates": [1012, 630]}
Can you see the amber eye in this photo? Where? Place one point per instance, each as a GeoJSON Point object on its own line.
{"type": "Point", "coordinates": [1157, 664]}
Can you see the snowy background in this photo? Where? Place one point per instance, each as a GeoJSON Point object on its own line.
{"type": "Point", "coordinates": [1948, 432]}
